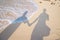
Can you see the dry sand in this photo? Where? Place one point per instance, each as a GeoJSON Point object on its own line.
{"type": "Point", "coordinates": [24, 32]}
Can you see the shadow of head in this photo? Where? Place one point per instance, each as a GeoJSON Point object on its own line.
{"type": "Point", "coordinates": [25, 13]}
{"type": "Point", "coordinates": [44, 10]}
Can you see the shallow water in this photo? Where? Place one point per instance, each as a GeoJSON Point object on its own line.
{"type": "Point", "coordinates": [12, 10]}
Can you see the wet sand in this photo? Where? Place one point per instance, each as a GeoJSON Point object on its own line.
{"type": "Point", "coordinates": [25, 32]}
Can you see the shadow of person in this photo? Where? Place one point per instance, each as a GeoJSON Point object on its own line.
{"type": "Point", "coordinates": [12, 27]}
{"type": "Point", "coordinates": [41, 29]}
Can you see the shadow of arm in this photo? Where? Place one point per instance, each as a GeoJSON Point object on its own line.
{"type": "Point", "coordinates": [29, 24]}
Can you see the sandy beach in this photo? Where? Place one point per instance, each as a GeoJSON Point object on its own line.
{"type": "Point", "coordinates": [45, 24]}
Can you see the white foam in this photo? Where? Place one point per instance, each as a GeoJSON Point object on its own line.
{"type": "Point", "coordinates": [17, 7]}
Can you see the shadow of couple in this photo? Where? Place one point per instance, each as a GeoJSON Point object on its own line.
{"type": "Point", "coordinates": [40, 30]}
